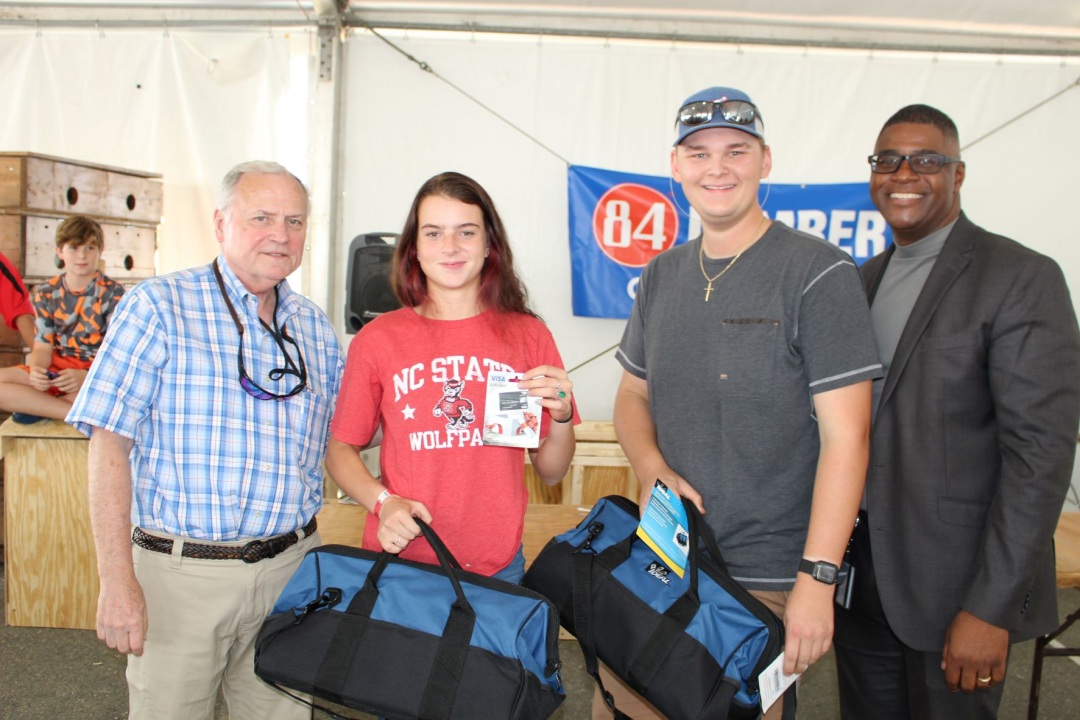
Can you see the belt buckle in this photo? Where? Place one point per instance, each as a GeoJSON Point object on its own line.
{"type": "Point", "coordinates": [255, 551]}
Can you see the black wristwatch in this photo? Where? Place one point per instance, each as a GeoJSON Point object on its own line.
{"type": "Point", "coordinates": [823, 572]}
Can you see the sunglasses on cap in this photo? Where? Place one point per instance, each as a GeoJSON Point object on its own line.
{"type": "Point", "coordinates": [926, 163]}
{"type": "Point", "coordinates": [738, 112]}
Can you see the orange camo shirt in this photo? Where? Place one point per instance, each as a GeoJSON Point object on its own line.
{"type": "Point", "coordinates": [74, 322]}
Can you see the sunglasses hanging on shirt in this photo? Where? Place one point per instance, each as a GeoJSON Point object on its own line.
{"type": "Point", "coordinates": [281, 336]}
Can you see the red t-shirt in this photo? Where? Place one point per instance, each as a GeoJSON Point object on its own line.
{"type": "Point", "coordinates": [14, 298]}
{"type": "Point", "coordinates": [401, 367]}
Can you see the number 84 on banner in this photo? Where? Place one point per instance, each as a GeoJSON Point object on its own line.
{"type": "Point", "coordinates": [634, 223]}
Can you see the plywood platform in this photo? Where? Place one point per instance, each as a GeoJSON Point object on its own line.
{"type": "Point", "coordinates": [50, 570]}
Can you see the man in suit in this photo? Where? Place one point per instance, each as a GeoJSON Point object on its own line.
{"type": "Point", "coordinates": [972, 444]}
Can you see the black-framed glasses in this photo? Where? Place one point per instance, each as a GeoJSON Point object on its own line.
{"type": "Point", "coordinates": [924, 163]}
{"type": "Point", "coordinates": [281, 336]}
{"type": "Point", "coordinates": [739, 112]}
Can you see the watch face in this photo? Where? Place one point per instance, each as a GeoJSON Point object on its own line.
{"type": "Point", "coordinates": [826, 573]}
{"type": "Point", "coordinates": [823, 572]}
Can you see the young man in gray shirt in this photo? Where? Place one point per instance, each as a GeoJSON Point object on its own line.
{"type": "Point", "coordinates": [748, 360]}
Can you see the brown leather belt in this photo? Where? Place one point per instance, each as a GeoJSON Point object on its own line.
{"type": "Point", "coordinates": [252, 552]}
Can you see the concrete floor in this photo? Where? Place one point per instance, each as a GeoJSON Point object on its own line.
{"type": "Point", "coordinates": [48, 674]}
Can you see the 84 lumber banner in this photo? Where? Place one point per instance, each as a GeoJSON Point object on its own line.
{"type": "Point", "coordinates": [621, 221]}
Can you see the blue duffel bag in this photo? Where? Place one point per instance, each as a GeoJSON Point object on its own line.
{"type": "Point", "coordinates": [401, 639]}
{"type": "Point", "coordinates": [692, 646]}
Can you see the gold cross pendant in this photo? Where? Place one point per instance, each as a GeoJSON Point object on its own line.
{"type": "Point", "coordinates": [708, 291]}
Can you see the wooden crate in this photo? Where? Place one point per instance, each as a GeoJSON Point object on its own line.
{"type": "Point", "coordinates": [50, 184]}
{"type": "Point", "coordinates": [37, 192]}
{"type": "Point", "coordinates": [599, 468]}
{"type": "Point", "coordinates": [128, 255]}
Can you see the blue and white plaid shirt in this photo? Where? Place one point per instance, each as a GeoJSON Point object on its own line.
{"type": "Point", "coordinates": [209, 461]}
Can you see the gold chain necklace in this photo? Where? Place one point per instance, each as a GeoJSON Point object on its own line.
{"type": "Point", "coordinates": [701, 258]}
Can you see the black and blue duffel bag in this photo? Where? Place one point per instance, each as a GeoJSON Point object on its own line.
{"type": "Point", "coordinates": [692, 646]}
{"type": "Point", "coordinates": [401, 639]}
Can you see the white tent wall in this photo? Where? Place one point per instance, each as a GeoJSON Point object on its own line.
{"type": "Point", "coordinates": [189, 104]}
{"type": "Point", "coordinates": [186, 104]}
{"type": "Point", "coordinates": [610, 104]}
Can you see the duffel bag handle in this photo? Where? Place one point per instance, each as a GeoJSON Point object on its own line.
{"type": "Point", "coordinates": [676, 618]}
{"type": "Point", "coordinates": [364, 601]}
{"type": "Point", "coordinates": [449, 662]}
{"type": "Point", "coordinates": [620, 551]}
{"type": "Point", "coordinates": [446, 558]}
{"type": "Point", "coordinates": [672, 623]}
{"type": "Point", "coordinates": [702, 532]}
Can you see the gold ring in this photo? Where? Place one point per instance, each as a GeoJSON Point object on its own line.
{"type": "Point", "coordinates": [985, 679]}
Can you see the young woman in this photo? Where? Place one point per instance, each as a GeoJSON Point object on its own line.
{"type": "Point", "coordinates": [420, 373]}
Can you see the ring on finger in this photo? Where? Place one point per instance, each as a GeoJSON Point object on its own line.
{"type": "Point", "coordinates": [984, 680]}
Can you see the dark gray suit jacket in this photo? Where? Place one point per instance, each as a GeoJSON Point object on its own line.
{"type": "Point", "coordinates": [972, 446]}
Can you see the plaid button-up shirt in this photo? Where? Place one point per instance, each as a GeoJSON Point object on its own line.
{"type": "Point", "coordinates": [209, 461]}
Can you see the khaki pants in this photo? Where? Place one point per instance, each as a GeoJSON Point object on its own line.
{"type": "Point", "coordinates": [204, 616]}
{"type": "Point", "coordinates": [636, 707]}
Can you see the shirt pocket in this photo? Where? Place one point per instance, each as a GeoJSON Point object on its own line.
{"type": "Point", "coordinates": [308, 416]}
{"type": "Point", "coordinates": [747, 356]}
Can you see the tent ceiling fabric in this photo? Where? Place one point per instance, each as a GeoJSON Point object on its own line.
{"type": "Point", "coordinates": [253, 14]}
{"type": "Point", "coordinates": [1047, 27]}
{"type": "Point", "coordinates": [996, 26]}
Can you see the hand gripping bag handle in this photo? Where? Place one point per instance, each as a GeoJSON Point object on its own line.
{"type": "Point", "coordinates": [446, 669]}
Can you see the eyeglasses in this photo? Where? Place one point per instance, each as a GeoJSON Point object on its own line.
{"type": "Point", "coordinates": [926, 163]}
{"type": "Point", "coordinates": [281, 336]}
{"type": "Point", "coordinates": [738, 112]}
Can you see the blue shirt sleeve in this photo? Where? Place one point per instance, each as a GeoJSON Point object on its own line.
{"type": "Point", "coordinates": [126, 373]}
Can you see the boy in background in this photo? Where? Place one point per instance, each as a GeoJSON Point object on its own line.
{"type": "Point", "coordinates": [72, 312]}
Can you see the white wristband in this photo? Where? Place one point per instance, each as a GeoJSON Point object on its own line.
{"type": "Point", "coordinates": [383, 497]}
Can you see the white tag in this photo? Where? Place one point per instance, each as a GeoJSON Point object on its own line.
{"type": "Point", "coordinates": [772, 682]}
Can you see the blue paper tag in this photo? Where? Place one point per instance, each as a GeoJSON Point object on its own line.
{"type": "Point", "coordinates": [663, 528]}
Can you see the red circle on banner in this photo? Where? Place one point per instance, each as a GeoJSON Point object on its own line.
{"type": "Point", "coordinates": [633, 223]}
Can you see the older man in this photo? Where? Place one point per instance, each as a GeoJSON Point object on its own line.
{"type": "Point", "coordinates": [208, 408]}
{"type": "Point", "coordinates": [971, 448]}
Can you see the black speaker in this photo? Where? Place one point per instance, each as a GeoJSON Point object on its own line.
{"type": "Point", "coordinates": [367, 286]}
